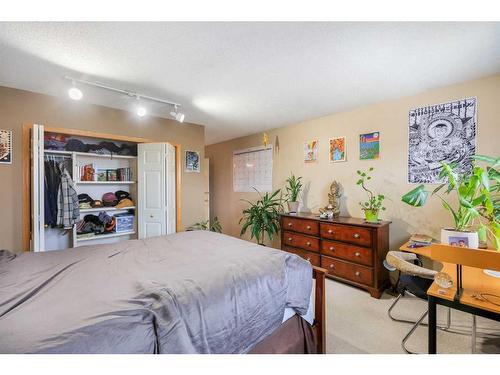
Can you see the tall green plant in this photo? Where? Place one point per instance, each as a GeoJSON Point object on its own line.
{"type": "Point", "coordinates": [477, 196]}
{"type": "Point", "coordinates": [262, 217]}
{"type": "Point", "coordinates": [293, 188]}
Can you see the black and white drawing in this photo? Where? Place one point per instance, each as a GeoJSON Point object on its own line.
{"type": "Point", "coordinates": [192, 161]}
{"type": "Point", "coordinates": [441, 133]}
{"type": "Point", "coordinates": [5, 146]}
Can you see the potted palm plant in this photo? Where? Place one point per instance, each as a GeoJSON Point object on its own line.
{"type": "Point", "coordinates": [477, 202]}
{"type": "Point", "coordinates": [373, 205]}
{"type": "Point", "coordinates": [262, 217]}
{"type": "Point", "coordinates": [293, 189]}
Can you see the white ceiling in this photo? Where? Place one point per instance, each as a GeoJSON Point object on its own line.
{"type": "Point", "coordinates": [241, 78]}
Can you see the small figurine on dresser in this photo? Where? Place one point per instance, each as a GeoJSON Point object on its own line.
{"type": "Point", "coordinates": [332, 210]}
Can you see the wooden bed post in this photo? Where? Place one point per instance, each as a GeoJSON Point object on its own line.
{"type": "Point", "coordinates": [319, 308]}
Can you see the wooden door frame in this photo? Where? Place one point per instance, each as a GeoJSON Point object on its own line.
{"type": "Point", "coordinates": [26, 163]}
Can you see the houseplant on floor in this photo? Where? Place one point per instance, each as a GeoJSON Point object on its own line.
{"type": "Point", "coordinates": [373, 205]}
{"type": "Point", "coordinates": [477, 201]}
{"type": "Point", "coordinates": [263, 216]}
{"type": "Point", "coordinates": [214, 226]}
{"type": "Point", "coordinates": [293, 189]}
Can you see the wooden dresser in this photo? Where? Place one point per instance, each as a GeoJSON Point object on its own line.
{"type": "Point", "coordinates": [351, 249]}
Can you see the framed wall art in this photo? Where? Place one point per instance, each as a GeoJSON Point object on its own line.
{"type": "Point", "coordinates": [5, 146]}
{"type": "Point", "coordinates": [192, 161]}
{"type": "Point", "coordinates": [311, 151]}
{"type": "Point", "coordinates": [337, 150]}
{"type": "Point", "coordinates": [369, 146]}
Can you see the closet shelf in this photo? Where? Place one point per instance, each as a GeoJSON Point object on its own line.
{"type": "Point", "coordinates": [104, 182]}
{"type": "Point", "coordinates": [89, 154]}
{"type": "Point", "coordinates": [107, 209]}
{"type": "Point", "coordinates": [103, 236]}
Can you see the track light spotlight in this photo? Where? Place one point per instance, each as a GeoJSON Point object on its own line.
{"type": "Point", "coordinates": [75, 93]}
{"type": "Point", "coordinates": [177, 115]}
{"type": "Point", "coordinates": [141, 111]}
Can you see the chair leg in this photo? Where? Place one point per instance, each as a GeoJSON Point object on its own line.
{"type": "Point", "coordinates": [403, 342]}
{"type": "Point", "coordinates": [389, 312]}
{"type": "Point", "coordinates": [392, 307]}
{"type": "Point", "coordinates": [473, 335]}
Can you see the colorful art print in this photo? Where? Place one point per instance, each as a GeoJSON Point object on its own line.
{"type": "Point", "coordinates": [311, 151]}
{"type": "Point", "coordinates": [5, 146]}
{"type": "Point", "coordinates": [192, 161]}
{"type": "Point", "coordinates": [369, 146]}
{"type": "Point", "coordinates": [458, 241]}
{"type": "Point", "coordinates": [337, 150]}
{"type": "Point", "coordinates": [441, 133]}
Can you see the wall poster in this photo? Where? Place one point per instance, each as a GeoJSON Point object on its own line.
{"type": "Point", "coordinates": [5, 146]}
{"type": "Point", "coordinates": [441, 133]}
{"type": "Point", "coordinates": [369, 146]}
{"type": "Point", "coordinates": [337, 151]}
{"type": "Point", "coordinates": [311, 151]}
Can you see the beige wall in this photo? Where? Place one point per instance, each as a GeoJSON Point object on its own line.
{"type": "Point", "coordinates": [18, 107]}
{"type": "Point", "coordinates": [390, 119]}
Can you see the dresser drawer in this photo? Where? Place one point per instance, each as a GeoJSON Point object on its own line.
{"type": "Point", "coordinates": [349, 271]}
{"type": "Point", "coordinates": [346, 233]}
{"type": "Point", "coordinates": [299, 240]}
{"type": "Point", "coordinates": [311, 257]}
{"type": "Point", "coordinates": [300, 225]}
{"type": "Point", "coordinates": [356, 254]}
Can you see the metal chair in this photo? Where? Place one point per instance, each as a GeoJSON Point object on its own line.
{"type": "Point", "coordinates": [413, 279]}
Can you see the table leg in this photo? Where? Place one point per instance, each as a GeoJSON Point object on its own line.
{"type": "Point", "coordinates": [432, 325]}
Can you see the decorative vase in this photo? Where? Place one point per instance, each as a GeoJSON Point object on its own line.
{"type": "Point", "coordinates": [459, 238]}
{"type": "Point", "coordinates": [371, 216]}
{"type": "Point", "coordinates": [293, 207]}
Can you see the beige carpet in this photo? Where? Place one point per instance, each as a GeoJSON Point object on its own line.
{"type": "Point", "coordinates": [358, 323]}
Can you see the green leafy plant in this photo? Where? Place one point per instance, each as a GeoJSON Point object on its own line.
{"type": "Point", "coordinates": [215, 226]}
{"type": "Point", "coordinates": [477, 196]}
{"type": "Point", "coordinates": [293, 188]}
{"type": "Point", "coordinates": [374, 202]}
{"type": "Point", "coordinates": [262, 217]}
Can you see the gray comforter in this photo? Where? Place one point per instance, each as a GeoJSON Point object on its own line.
{"type": "Point", "coordinates": [192, 292]}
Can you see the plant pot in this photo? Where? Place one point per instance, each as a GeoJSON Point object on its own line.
{"type": "Point", "coordinates": [458, 238]}
{"type": "Point", "coordinates": [371, 216]}
{"type": "Point", "coordinates": [293, 207]}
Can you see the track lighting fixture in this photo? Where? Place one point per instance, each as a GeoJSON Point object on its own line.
{"type": "Point", "coordinates": [76, 94]}
{"type": "Point", "coordinates": [177, 115]}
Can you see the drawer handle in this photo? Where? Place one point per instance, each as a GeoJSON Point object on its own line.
{"type": "Point", "coordinates": [357, 273]}
{"type": "Point", "coordinates": [357, 254]}
{"type": "Point", "coordinates": [332, 248]}
{"type": "Point", "coordinates": [330, 231]}
{"type": "Point", "coordinates": [308, 259]}
{"type": "Point", "coordinates": [308, 243]}
{"type": "Point", "coordinates": [290, 224]}
{"type": "Point", "coordinates": [332, 266]}
{"type": "Point", "coordinates": [356, 235]}
{"type": "Point", "coordinates": [290, 239]}
{"type": "Point", "coordinates": [308, 227]}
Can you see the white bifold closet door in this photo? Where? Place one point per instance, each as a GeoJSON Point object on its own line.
{"type": "Point", "coordinates": [37, 189]}
{"type": "Point", "coordinates": [156, 189]}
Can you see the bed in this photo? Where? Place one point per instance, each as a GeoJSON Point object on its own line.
{"type": "Point", "coordinates": [190, 292]}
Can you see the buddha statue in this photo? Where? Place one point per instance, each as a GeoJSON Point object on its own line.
{"type": "Point", "coordinates": [332, 210]}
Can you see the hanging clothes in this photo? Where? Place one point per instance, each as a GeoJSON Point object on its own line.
{"type": "Point", "coordinates": [52, 183]}
{"type": "Point", "coordinates": [68, 208]}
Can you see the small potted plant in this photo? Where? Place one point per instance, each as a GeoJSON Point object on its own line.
{"type": "Point", "coordinates": [373, 205]}
{"type": "Point", "coordinates": [293, 189]}
{"type": "Point", "coordinates": [478, 201]}
{"type": "Point", "coordinates": [214, 226]}
{"type": "Point", "coordinates": [263, 216]}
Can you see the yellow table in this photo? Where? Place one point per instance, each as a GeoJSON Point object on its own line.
{"type": "Point", "coordinates": [474, 283]}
